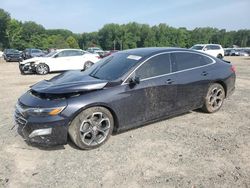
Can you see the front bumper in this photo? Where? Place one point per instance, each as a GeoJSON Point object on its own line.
{"type": "Point", "coordinates": [42, 130]}
{"type": "Point", "coordinates": [27, 68]}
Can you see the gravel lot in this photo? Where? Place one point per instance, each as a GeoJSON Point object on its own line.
{"type": "Point", "coordinates": [192, 150]}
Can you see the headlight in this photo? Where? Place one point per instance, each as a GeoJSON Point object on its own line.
{"type": "Point", "coordinates": [44, 111]}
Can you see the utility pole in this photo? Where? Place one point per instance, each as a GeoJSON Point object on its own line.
{"type": "Point", "coordinates": [114, 44]}
{"type": "Point", "coordinates": [121, 45]}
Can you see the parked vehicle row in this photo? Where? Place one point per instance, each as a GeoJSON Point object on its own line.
{"type": "Point", "coordinates": [122, 91]}
{"type": "Point", "coordinates": [12, 55]}
{"type": "Point", "coordinates": [59, 60]}
{"type": "Point", "coordinates": [32, 52]}
{"type": "Point", "coordinates": [237, 52]}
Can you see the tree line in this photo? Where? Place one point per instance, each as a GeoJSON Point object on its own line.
{"type": "Point", "coordinates": [21, 35]}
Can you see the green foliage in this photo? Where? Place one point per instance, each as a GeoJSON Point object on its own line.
{"type": "Point", "coordinates": [72, 43]}
{"type": "Point", "coordinates": [16, 34]}
{"type": "Point", "coordinates": [4, 22]}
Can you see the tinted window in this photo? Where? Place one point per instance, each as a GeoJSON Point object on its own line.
{"type": "Point", "coordinates": [63, 54]}
{"type": "Point", "coordinates": [215, 47]}
{"type": "Point", "coordinates": [155, 66]}
{"type": "Point", "coordinates": [75, 53]}
{"type": "Point", "coordinates": [69, 53]}
{"type": "Point", "coordinates": [212, 47]}
{"type": "Point", "coordinates": [185, 60]}
{"type": "Point", "coordinates": [36, 51]}
{"type": "Point", "coordinates": [197, 47]}
{"type": "Point", "coordinates": [113, 67]}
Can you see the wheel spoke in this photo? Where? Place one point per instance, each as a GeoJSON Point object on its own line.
{"type": "Point", "coordinates": [93, 138]}
{"type": "Point", "coordinates": [85, 126]}
{"type": "Point", "coordinates": [218, 92]}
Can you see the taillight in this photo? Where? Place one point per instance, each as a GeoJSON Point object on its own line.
{"type": "Point", "coordinates": [233, 68]}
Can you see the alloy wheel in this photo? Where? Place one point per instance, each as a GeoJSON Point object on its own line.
{"type": "Point", "coordinates": [42, 69]}
{"type": "Point", "coordinates": [94, 129]}
{"type": "Point", "coordinates": [215, 98]}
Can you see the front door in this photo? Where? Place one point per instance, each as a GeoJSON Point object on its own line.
{"type": "Point", "coordinates": [153, 97]}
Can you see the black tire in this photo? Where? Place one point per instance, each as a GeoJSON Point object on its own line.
{"type": "Point", "coordinates": [214, 98]}
{"type": "Point", "coordinates": [91, 128]}
{"type": "Point", "coordinates": [87, 65]}
{"type": "Point", "coordinates": [42, 69]}
{"type": "Point", "coordinates": [219, 56]}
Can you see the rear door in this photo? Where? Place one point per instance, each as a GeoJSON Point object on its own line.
{"type": "Point", "coordinates": [193, 76]}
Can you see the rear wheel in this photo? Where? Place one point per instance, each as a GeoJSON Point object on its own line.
{"type": "Point", "coordinates": [219, 56]}
{"type": "Point", "coordinates": [42, 69]}
{"type": "Point", "coordinates": [91, 128]}
{"type": "Point", "coordinates": [214, 98]}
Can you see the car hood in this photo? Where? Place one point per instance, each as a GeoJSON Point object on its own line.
{"type": "Point", "coordinates": [69, 82]}
{"type": "Point", "coordinates": [34, 59]}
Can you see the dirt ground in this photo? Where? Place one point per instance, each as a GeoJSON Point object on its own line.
{"type": "Point", "coordinates": [191, 150]}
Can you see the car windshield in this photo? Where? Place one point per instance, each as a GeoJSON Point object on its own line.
{"type": "Point", "coordinates": [51, 54]}
{"type": "Point", "coordinates": [113, 67]}
{"type": "Point", "coordinates": [13, 51]}
{"type": "Point", "coordinates": [197, 47]}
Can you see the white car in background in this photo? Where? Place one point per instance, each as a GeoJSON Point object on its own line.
{"type": "Point", "coordinates": [59, 60]}
{"type": "Point", "coordinates": [1, 54]}
{"type": "Point", "coordinates": [215, 50]}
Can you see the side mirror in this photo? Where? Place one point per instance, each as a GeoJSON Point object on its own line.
{"type": "Point", "coordinates": [205, 49]}
{"type": "Point", "coordinates": [56, 56]}
{"type": "Point", "coordinates": [134, 80]}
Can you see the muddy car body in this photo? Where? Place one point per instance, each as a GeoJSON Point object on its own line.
{"type": "Point", "coordinates": [122, 91]}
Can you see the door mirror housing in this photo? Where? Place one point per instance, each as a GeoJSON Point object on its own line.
{"type": "Point", "coordinates": [134, 80]}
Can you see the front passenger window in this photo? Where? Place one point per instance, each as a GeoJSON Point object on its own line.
{"type": "Point", "coordinates": [156, 66]}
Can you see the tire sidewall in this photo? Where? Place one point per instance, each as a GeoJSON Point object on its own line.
{"type": "Point", "coordinates": [207, 106]}
{"type": "Point", "coordinates": [74, 128]}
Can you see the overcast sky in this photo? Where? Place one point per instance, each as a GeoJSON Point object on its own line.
{"type": "Point", "coordinates": [90, 15]}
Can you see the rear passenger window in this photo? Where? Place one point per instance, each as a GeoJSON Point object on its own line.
{"type": "Point", "coordinates": [185, 60]}
{"type": "Point", "coordinates": [155, 66]}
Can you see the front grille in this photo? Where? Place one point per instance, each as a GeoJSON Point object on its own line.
{"type": "Point", "coordinates": [19, 119]}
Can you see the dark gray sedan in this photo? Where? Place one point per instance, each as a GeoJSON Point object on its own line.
{"type": "Point", "coordinates": [122, 91]}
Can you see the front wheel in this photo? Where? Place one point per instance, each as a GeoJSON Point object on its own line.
{"type": "Point", "coordinates": [214, 98]}
{"type": "Point", "coordinates": [91, 128]}
{"type": "Point", "coordinates": [42, 69]}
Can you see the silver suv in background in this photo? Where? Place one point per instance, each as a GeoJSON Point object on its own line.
{"type": "Point", "coordinates": [215, 50]}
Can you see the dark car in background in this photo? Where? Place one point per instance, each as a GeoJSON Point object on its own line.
{"type": "Point", "coordinates": [32, 52]}
{"type": "Point", "coordinates": [122, 91]}
{"type": "Point", "coordinates": [12, 55]}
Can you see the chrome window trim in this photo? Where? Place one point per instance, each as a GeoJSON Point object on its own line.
{"type": "Point", "coordinates": [213, 62]}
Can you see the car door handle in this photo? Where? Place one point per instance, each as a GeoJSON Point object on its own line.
{"type": "Point", "coordinates": [204, 73]}
{"type": "Point", "coordinates": [169, 81]}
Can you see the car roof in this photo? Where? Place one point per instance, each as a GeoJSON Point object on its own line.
{"type": "Point", "coordinates": [206, 44]}
{"type": "Point", "coordinates": [59, 50]}
{"type": "Point", "coordinates": [151, 50]}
